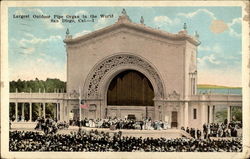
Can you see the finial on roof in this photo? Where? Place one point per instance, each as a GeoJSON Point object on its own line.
{"type": "Point", "coordinates": [185, 26]}
{"type": "Point", "coordinates": [124, 12]}
{"type": "Point", "coordinates": [184, 31]}
{"type": "Point", "coordinates": [67, 32]}
{"type": "Point", "coordinates": [68, 36]}
{"type": "Point", "coordinates": [142, 20]}
{"type": "Point", "coordinates": [124, 17]}
{"type": "Point", "coordinates": [196, 34]}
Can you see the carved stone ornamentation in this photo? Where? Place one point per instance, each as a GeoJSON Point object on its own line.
{"type": "Point", "coordinates": [106, 66]}
{"type": "Point", "coordinates": [173, 96]}
{"type": "Point", "coordinates": [74, 94]}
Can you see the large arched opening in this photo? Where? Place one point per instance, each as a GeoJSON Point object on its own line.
{"type": "Point", "coordinates": [108, 80]}
{"type": "Point", "coordinates": [130, 88]}
{"type": "Point", "coordinates": [131, 93]}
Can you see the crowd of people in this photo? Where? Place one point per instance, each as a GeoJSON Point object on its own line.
{"type": "Point", "coordinates": [214, 130]}
{"type": "Point", "coordinates": [50, 126]}
{"type": "Point", "coordinates": [195, 133]}
{"type": "Point", "coordinates": [220, 130]}
{"type": "Point", "coordinates": [118, 123]}
{"type": "Point", "coordinates": [103, 142]}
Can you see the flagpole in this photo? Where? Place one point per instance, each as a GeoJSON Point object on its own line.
{"type": "Point", "coordinates": [80, 110]}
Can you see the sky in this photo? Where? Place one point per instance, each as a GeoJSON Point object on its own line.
{"type": "Point", "coordinates": [36, 48]}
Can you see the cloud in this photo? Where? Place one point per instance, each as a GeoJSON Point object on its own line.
{"type": "Point", "coordinates": [30, 43]}
{"type": "Point", "coordinates": [211, 56]}
{"type": "Point", "coordinates": [81, 12]}
{"type": "Point", "coordinates": [43, 54]}
{"type": "Point", "coordinates": [102, 22]}
{"type": "Point", "coordinates": [39, 68]}
{"type": "Point", "coordinates": [51, 25]}
{"type": "Point", "coordinates": [35, 40]}
{"type": "Point", "coordinates": [28, 50]}
{"type": "Point", "coordinates": [204, 48]}
{"type": "Point", "coordinates": [218, 76]}
{"type": "Point", "coordinates": [82, 33]}
{"type": "Point", "coordinates": [234, 22]}
{"type": "Point", "coordinates": [216, 48]}
{"type": "Point", "coordinates": [35, 10]}
{"type": "Point", "coordinates": [208, 59]}
{"type": "Point", "coordinates": [165, 21]}
{"type": "Point", "coordinates": [19, 12]}
{"type": "Point", "coordinates": [197, 12]}
{"type": "Point", "coordinates": [39, 60]}
{"type": "Point", "coordinates": [218, 26]}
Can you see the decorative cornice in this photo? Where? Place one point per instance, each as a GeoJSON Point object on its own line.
{"type": "Point", "coordinates": [138, 27]}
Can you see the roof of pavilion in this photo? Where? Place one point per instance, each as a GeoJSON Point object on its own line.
{"type": "Point", "coordinates": [124, 21]}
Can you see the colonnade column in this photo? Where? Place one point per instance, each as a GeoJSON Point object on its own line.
{"type": "Point", "coordinates": [210, 114]}
{"type": "Point", "coordinates": [203, 113]}
{"type": "Point", "coordinates": [16, 112]}
{"type": "Point", "coordinates": [57, 111]}
{"type": "Point", "coordinates": [228, 114]}
{"type": "Point", "coordinates": [186, 114]}
{"type": "Point", "coordinates": [30, 112]}
{"type": "Point", "coordinates": [22, 119]}
{"type": "Point", "coordinates": [39, 110]}
{"type": "Point", "coordinates": [213, 113]}
{"type": "Point", "coordinates": [62, 111]}
{"type": "Point", "coordinates": [44, 110]}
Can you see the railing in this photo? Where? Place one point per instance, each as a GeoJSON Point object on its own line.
{"type": "Point", "coordinates": [38, 95]}
{"type": "Point", "coordinates": [216, 98]}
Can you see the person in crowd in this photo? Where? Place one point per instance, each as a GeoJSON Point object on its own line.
{"type": "Point", "coordinates": [50, 126]}
{"type": "Point", "coordinates": [221, 129]}
{"type": "Point", "coordinates": [118, 123]}
{"type": "Point", "coordinates": [99, 141]}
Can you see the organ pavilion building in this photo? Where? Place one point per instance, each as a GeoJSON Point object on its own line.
{"type": "Point", "coordinates": [130, 70]}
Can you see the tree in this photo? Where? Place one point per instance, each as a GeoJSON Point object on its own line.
{"type": "Point", "coordinates": [236, 113]}
{"type": "Point", "coordinates": [24, 86]}
{"type": "Point", "coordinates": [221, 115]}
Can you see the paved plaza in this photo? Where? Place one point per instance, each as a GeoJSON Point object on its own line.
{"type": "Point", "coordinates": [169, 133]}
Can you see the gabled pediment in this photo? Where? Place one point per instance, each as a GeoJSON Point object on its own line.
{"type": "Point", "coordinates": [125, 22]}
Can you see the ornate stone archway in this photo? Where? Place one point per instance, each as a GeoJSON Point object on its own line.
{"type": "Point", "coordinates": [100, 76]}
{"type": "Point", "coordinates": [96, 85]}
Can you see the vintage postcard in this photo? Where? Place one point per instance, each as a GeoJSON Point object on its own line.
{"type": "Point", "coordinates": [125, 79]}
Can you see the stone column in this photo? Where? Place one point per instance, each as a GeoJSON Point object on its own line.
{"type": "Point", "coordinates": [61, 111]}
{"type": "Point", "coordinates": [228, 114]}
{"type": "Point", "coordinates": [213, 113]}
{"type": "Point", "coordinates": [30, 112]}
{"type": "Point", "coordinates": [210, 114]}
{"type": "Point", "coordinates": [22, 112]}
{"type": "Point", "coordinates": [16, 112]}
{"type": "Point", "coordinates": [57, 111]}
{"type": "Point", "coordinates": [44, 110]}
{"type": "Point", "coordinates": [186, 114]}
{"type": "Point", "coordinates": [181, 115]}
{"type": "Point", "coordinates": [39, 110]}
{"type": "Point", "coordinates": [203, 114]}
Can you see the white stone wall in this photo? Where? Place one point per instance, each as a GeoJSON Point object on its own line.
{"type": "Point", "coordinates": [191, 66]}
{"type": "Point", "coordinates": [167, 56]}
{"type": "Point", "coordinates": [195, 123]}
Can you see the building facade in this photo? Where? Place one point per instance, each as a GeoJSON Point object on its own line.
{"type": "Point", "coordinates": [129, 70]}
